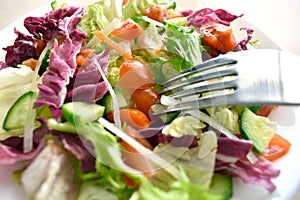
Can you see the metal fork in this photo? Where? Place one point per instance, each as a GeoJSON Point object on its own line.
{"type": "Point", "coordinates": [252, 77]}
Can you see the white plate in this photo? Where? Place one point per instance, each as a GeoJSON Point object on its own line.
{"type": "Point", "coordinates": [288, 118]}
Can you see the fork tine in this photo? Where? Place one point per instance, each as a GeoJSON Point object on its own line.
{"type": "Point", "coordinates": [199, 103]}
{"type": "Point", "coordinates": [213, 63]}
{"type": "Point", "coordinates": [222, 72]}
{"type": "Point", "coordinates": [209, 87]}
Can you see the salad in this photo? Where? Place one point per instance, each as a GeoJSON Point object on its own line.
{"type": "Point", "coordinates": [79, 91]}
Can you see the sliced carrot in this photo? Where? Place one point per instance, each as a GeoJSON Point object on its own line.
{"type": "Point", "coordinates": [81, 58]}
{"type": "Point", "coordinates": [277, 148]}
{"type": "Point", "coordinates": [157, 13]}
{"type": "Point", "coordinates": [40, 47]}
{"type": "Point", "coordinates": [30, 63]}
{"type": "Point", "coordinates": [112, 44]}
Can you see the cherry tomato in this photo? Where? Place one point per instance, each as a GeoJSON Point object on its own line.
{"type": "Point", "coordinates": [218, 36]}
{"type": "Point", "coordinates": [144, 99]}
{"type": "Point", "coordinates": [277, 148]}
{"type": "Point", "coordinates": [156, 13]}
{"type": "Point", "coordinates": [128, 31]}
{"type": "Point", "coordinates": [132, 117]}
{"type": "Point", "coordinates": [135, 75]}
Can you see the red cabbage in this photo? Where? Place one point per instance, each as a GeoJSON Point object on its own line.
{"type": "Point", "coordinates": [200, 17]}
{"type": "Point", "coordinates": [62, 64]}
{"type": "Point", "coordinates": [87, 84]}
{"type": "Point", "coordinates": [3, 65]}
{"type": "Point", "coordinates": [60, 22]}
{"type": "Point", "coordinates": [57, 23]}
{"type": "Point", "coordinates": [243, 43]}
{"type": "Point", "coordinates": [78, 147]}
{"type": "Point", "coordinates": [23, 48]}
{"type": "Point", "coordinates": [89, 93]}
{"type": "Point", "coordinates": [232, 160]}
{"type": "Point", "coordinates": [11, 149]}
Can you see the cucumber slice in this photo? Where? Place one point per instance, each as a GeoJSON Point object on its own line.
{"type": "Point", "coordinates": [221, 185]}
{"type": "Point", "coordinates": [254, 128]}
{"type": "Point", "coordinates": [80, 112]}
{"type": "Point", "coordinates": [107, 101]}
{"type": "Point", "coordinates": [16, 116]}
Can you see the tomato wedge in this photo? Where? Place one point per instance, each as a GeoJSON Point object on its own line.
{"type": "Point", "coordinates": [218, 36]}
{"type": "Point", "coordinates": [128, 31]}
{"type": "Point", "coordinates": [135, 75]}
{"type": "Point", "coordinates": [277, 148]}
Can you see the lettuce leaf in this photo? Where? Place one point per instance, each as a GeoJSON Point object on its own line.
{"type": "Point", "coordinates": [99, 17]}
{"type": "Point", "coordinates": [134, 8]}
{"type": "Point", "coordinates": [197, 163]}
{"type": "Point", "coordinates": [185, 42]}
{"type": "Point", "coordinates": [182, 188]}
{"type": "Point", "coordinates": [14, 82]}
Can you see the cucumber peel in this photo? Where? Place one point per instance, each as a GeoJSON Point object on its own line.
{"type": "Point", "coordinates": [81, 112]}
{"type": "Point", "coordinates": [254, 128]}
{"type": "Point", "coordinates": [16, 117]}
{"type": "Point", "coordinates": [221, 185]}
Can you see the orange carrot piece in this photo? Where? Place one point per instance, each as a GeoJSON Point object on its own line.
{"type": "Point", "coordinates": [112, 44]}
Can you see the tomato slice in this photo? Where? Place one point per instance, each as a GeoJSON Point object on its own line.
{"type": "Point", "coordinates": [135, 75]}
{"type": "Point", "coordinates": [128, 31]}
{"type": "Point", "coordinates": [132, 117]}
{"type": "Point", "coordinates": [144, 99]}
{"type": "Point", "coordinates": [218, 36]}
{"type": "Point", "coordinates": [277, 148]}
{"type": "Point", "coordinates": [156, 13]}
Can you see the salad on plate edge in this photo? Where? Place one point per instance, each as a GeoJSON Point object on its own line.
{"type": "Point", "coordinates": [86, 79]}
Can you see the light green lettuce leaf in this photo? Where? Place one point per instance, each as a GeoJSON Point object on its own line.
{"type": "Point", "coordinates": [229, 118]}
{"type": "Point", "coordinates": [14, 82]}
{"type": "Point", "coordinates": [185, 42]}
{"type": "Point", "coordinates": [184, 125]}
{"type": "Point", "coordinates": [94, 192]}
{"type": "Point", "coordinates": [182, 189]}
{"type": "Point", "coordinates": [198, 163]}
{"type": "Point", "coordinates": [134, 8]}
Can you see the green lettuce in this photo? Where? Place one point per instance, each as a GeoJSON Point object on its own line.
{"type": "Point", "coordinates": [100, 14]}
{"type": "Point", "coordinates": [14, 82]}
{"type": "Point", "coordinates": [182, 188]}
{"type": "Point", "coordinates": [229, 118]}
{"type": "Point", "coordinates": [198, 163]}
{"type": "Point", "coordinates": [185, 42]}
{"type": "Point", "coordinates": [134, 8]}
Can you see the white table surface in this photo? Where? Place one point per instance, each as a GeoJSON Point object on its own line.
{"type": "Point", "coordinates": [279, 19]}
